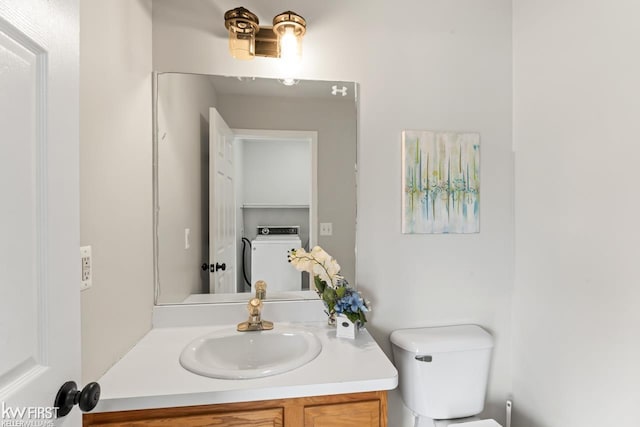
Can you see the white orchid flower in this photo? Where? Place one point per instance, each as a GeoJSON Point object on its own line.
{"type": "Point", "coordinates": [321, 272]}
{"type": "Point", "coordinates": [318, 263]}
{"type": "Point", "coordinates": [319, 254]}
{"type": "Point", "coordinates": [301, 260]}
{"type": "Point", "coordinates": [332, 266]}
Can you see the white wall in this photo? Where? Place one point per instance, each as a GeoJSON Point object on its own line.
{"type": "Point", "coordinates": [576, 317]}
{"type": "Point", "coordinates": [183, 180]}
{"type": "Point", "coordinates": [276, 172]}
{"type": "Point", "coordinates": [448, 69]}
{"type": "Point", "coordinates": [115, 172]}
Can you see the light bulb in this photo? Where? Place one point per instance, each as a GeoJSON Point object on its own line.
{"type": "Point", "coordinates": [289, 48]}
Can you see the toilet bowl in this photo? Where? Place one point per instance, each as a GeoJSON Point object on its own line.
{"type": "Point", "coordinates": [443, 373]}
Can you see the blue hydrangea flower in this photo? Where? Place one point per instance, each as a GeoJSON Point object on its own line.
{"type": "Point", "coordinates": [351, 302]}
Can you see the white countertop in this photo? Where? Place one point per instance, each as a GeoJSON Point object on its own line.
{"type": "Point", "coordinates": [150, 375]}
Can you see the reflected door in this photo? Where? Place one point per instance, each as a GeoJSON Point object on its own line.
{"type": "Point", "coordinates": [39, 218]}
{"type": "Point", "coordinates": [222, 219]}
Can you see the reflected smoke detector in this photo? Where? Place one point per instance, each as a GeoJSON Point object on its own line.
{"type": "Point", "coordinates": [335, 90]}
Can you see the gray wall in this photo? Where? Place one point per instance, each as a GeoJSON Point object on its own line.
{"type": "Point", "coordinates": [115, 172]}
{"type": "Point", "coordinates": [183, 179]}
{"type": "Point", "coordinates": [335, 122]}
{"type": "Point", "coordinates": [577, 294]}
{"type": "Point", "coordinates": [448, 69]}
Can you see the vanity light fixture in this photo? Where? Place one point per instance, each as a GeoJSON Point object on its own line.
{"type": "Point", "coordinates": [248, 39]}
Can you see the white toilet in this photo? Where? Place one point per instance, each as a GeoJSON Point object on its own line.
{"type": "Point", "coordinates": [443, 373]}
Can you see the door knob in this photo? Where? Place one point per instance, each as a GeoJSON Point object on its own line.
{"type": "Point", "coordinates": [213, 267]}
{"type": "Point", "coordinates": [69, 395]}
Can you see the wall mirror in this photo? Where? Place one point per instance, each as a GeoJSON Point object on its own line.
{"type": "Point", "coordinates": [244, 170]}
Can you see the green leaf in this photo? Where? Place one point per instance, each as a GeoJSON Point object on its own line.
{"type": "Point", "coordinates": [362, 317]}
{"type": "Point", "coordinates": [352, 316]}
{"type": "Point", "coordinates": [320, 284]}
{"type": "Point", "coordinates": [329, 295]}
{"type": "Point", "coordinates": [341, 291]}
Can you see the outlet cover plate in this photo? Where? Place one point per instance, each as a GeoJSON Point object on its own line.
{"type": "Point", "coordinates": [86, 267]}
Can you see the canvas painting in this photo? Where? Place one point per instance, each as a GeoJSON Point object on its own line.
{"type": "Point", "coordinates": [440, 182]}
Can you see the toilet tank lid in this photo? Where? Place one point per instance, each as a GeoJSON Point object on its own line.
{"type": "Point", "coordinates": [442, 339]}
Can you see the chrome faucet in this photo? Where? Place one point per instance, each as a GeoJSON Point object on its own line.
{"type": "Point", "coordinates": [255, 322]}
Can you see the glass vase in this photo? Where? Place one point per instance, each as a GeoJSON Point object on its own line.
{"type": "Point", "coordinates": [331, 319]}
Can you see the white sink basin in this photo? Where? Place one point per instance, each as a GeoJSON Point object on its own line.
{"type": "Point", "coordinates": [230, 354]}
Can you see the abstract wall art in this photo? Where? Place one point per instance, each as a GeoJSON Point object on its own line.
{"type": "Point", "coordinates": [440, 182]}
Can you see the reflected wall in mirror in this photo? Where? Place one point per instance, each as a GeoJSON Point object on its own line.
{"type": "Point", "coordinates": [233, 155]}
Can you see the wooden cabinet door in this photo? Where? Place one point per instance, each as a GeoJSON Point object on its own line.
{"type": "Point", "coordinates": [257, 418]}
{"type": "Point", "coordinates": [358, 414]}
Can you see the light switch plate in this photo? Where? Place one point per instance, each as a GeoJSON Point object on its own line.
{"type": "Point", "coordinates": [86, 262]}
{"type": "Point", "coordinates": [326, 228]}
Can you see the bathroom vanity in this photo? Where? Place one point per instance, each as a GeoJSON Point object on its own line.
{"type": "Point", "coordinates": [367, 409]}
{"type": "Point", "coordinates": [346, 384]}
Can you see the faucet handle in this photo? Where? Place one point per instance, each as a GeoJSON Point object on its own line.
{"type": "Point", "coordinates": [254, 306]}
{"type": "Point", "coordinates": [255, 323]}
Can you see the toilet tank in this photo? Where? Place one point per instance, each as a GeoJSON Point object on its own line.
{"type": "Point", "coordinates": [443, 370]}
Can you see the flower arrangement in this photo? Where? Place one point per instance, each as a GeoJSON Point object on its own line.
{"type": "Point", "coordinates": [331, 287]}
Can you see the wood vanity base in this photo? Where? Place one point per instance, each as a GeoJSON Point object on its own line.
{"type": "Point", "coordinates": [341, 410]}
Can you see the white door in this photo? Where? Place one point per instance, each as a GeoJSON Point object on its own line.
{"type": "Point", "coordinates": [222, 218]}
{"type": "Point", "coordinates": [39, 209]}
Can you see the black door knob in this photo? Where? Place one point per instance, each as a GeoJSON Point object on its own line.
{"type": "Point", "coordinates": [69, 395]}
{"type": "Point", "coordinates": [213, 267]}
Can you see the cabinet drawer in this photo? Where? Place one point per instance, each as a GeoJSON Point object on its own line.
{"type": "Point", "coordinates": [358, 414]}
{"type": "Point", "coordinates": [258, 418]}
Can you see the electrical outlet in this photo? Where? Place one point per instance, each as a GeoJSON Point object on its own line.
{"type": "Point", "coordinates": [326, 228]}
{"type": "Point", "coordinates": [85, 258]}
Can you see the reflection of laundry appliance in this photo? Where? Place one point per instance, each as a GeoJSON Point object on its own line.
{"type": "Point", "coordinates": [269, 258]}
